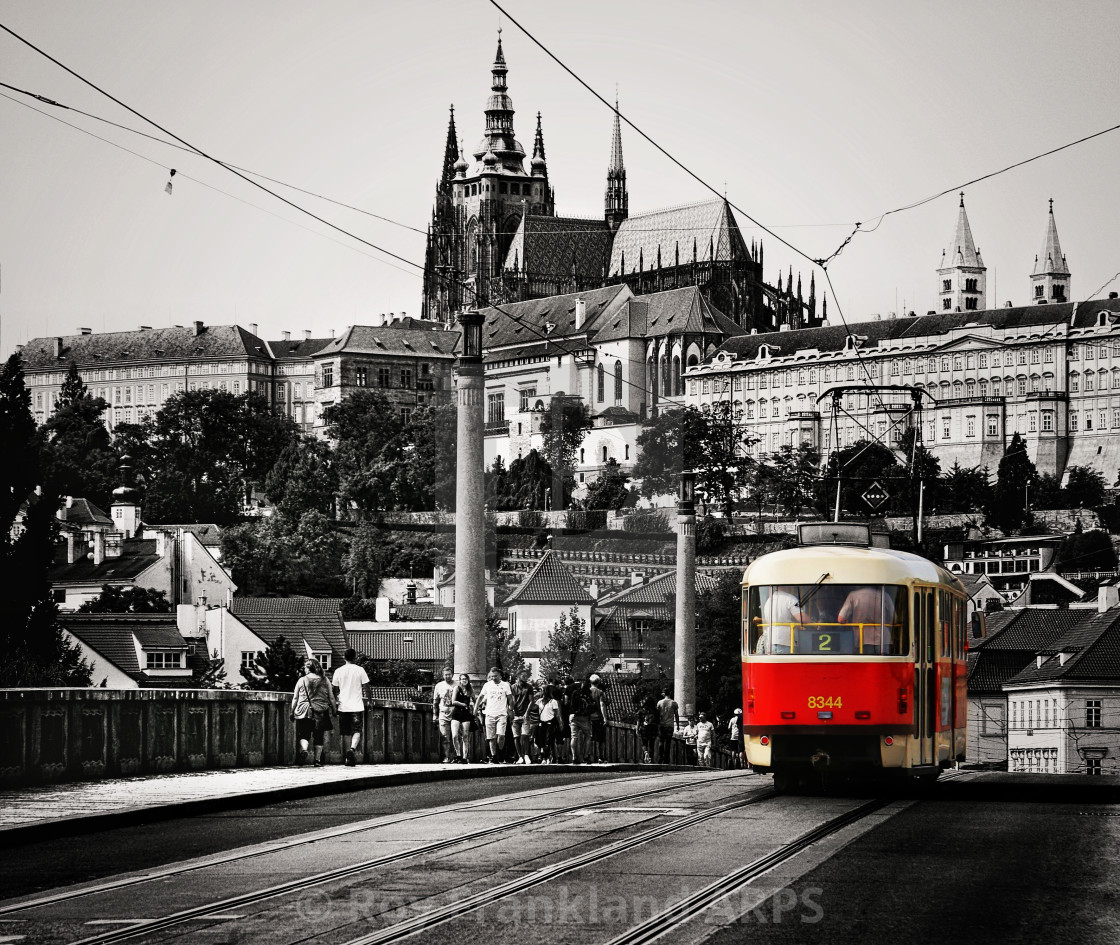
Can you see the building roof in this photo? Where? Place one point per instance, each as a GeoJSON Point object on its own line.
{"type": "Point", "coordinates": [155, 344]}
{"type": "Point", "coordinates": [316, 621]}
{"type": "Point", "coordinates": [554, 246]}
{"type": "Point", "coordinates": [709, 225]}
{"type": "Point", "coordinates": [83, 512]}
{"type": "Point", "coordinates": [137, 555]}
{"type": "Point", "coordinates": [537, 320]}
{"type": "Point", "coordinates": [962, 250]}
{"type": "Point", "coordinates": [297, 350]}
{"type": "Point", "coordinates": [672, 312]}
{"type": "Point", "coordinates": [550, 582]}
{"type": "Point", "coordinates": [988, 670]}
{"type": "Point", "coordinates": [1088, 651]}
{"type": "Point", "coordinates": [391, 339]}
{"type": "Point", "coordinates": [827, 338]}
{"type": "Point", "coordinates": [415, 645]}
{"type": "Point", "coordinates": [1029, 629]}
{"type": "Point", "coordinates": [422, 612]}
{"type": "Point", "coordinates": [208, 534]}
{"type": "Point", "coordinates": [1051, 260]}
{"type": "Point", "coordinates": [111, 637]}
{"type": "Point", "coordinates": [656, 590]}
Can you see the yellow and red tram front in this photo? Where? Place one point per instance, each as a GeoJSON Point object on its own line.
{"type": "Point", "coordinates": [852, 660]}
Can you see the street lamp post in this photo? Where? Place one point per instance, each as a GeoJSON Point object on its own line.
{"type": "Point", "coordinates": [684, 651]}
{"type": "Point", "coordinates": [470, 508]}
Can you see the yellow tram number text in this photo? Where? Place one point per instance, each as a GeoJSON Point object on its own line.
{"type": "Point", "coordinates": [825, 702]}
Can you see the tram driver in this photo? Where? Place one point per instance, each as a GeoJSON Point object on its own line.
{"type": "Point", "coordinates": [871, 608]}
{"type": "Point", "coordinates": [780, 612]}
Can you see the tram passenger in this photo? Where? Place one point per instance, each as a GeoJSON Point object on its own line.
{"type": "Point", "coordinates": [872, 608]}
{"type": "Point", "coordinates": [462, 716]}
{"type": "Point", "coordinates": [780, 612]}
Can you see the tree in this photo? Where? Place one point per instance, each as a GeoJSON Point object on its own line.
{"type": "Point", "coordinates": [364, 559]}
{"type": "Point", "coordinates": [503, 649]}
{"type": "Point", "coordinates": [426, 479]}
{"type": "Point", "coordinates": [719, 685]}
{"type": "Point", "coordinates": [370, 439]}
{"type": "Point", "coordinates": [303, 479]}
{"type": "Point", "coordinates": [212, 675]}
{"type": "Point", "coordinates": [610, 490]}
{"type": "Point", "coordinates": [857, 467]}
{"type": "Point", "coordinates": [1086, 551]}
{"type": "Point", "coordinates": [36, 650]}
{"type": "Point", "coordinates": [276, 670]}
{"type": "Point", "coordinates": [964, 489]}
{"type": "Point", "coordinates": [571, 649]}
{"type": "Point", "coordinates": [1015, 479]}
{"type": "Point", "coordinates": [132, 599]}
{"type": "Point", "coordinates": [562, 428]}
{"type": "Point", "coordinates": [793, 478]}
{"type": "Point", "coordinates": [661, 448]}
{"type": "Point", "coordinates": [1085, 487]}
{"type": "Point", "coordinates": [526, 483]}
{"type": "Point", "coordinates": [278, 557]}
{"type": "Point", "coordinates": [1048, 493]}
{"type": "Point", "coordinates": [79, 459]}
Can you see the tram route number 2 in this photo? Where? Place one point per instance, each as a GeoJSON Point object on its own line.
{"type": "Point", "coordinates": [825, 702]}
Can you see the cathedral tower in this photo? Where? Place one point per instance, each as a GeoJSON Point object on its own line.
{"type": "Point", "coordinates": [1050, 278]}
{"type": "Point", "coordinates": [617, 202]}
{"type": "Point", "coordinates": [962, 273]}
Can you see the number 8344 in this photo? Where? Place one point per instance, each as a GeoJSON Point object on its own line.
{"type": "Point", "coordinates": [825, 702]}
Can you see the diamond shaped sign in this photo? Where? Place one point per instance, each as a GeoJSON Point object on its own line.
{"type": "Point", "coordinates": [875, 495]}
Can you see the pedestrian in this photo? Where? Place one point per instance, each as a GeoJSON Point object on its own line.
{"type": "Point", "coordinates": [549, 710]}
{"type": "Point", "coordinates": [443, 702]}
{"type": "Point", "coordinates": [494, 705]}
{"type": "Point", "coordinates": [462, 719]}
{"type": "Point", "coordinates": [735, 733]}
{"type": "Point", "coordinates": [579, 722]}
{"type": "Point", "coordinates": [522, 691]}
{"type": "Point", "coordinates": [313, 704]}
{"type": "Point", "coordinates": [563, 693]}
{"type": "Point", "coordinates": [667, 721]}
{"type": "Point", "coordinates": [351, 683]}
{"type": "Point", "coordinates": [647, 729]}
{"type": "Point", "coordinates": [704, 732]}
{"type": "Point", "coordinates": [532, 720]}
{"type": "Point", "coordinates": [598, 720]}
{"type": "Point", "coordinates": [688, 733]}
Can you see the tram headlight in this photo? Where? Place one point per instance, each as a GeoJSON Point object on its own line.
{"type": "Point", "coordinates": [888, 740]}
{"type": "Point", "coordinates": [764, 740]}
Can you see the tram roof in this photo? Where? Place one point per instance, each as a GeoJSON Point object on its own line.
{"type": "Point", "coordinates": [845, 565]}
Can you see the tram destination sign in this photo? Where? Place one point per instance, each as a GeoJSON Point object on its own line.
{"type": "Point", "coordinates": [875, 495]}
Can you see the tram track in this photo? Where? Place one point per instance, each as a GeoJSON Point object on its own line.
{"type": "Point", "coordinates": [301, 883]}
{"type": "Point", "coordinates": [151, 876]}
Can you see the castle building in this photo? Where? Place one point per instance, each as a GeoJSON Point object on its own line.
{"type": "Point", "coordinates": [495, 237]}
{"type": "Point", "coordinates": [1050, 278]}
{"type": "Point", "coordinates": [1049, 372]}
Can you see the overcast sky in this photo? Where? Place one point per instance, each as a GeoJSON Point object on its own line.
{"type": "Point", "coordinates": [814, 115]}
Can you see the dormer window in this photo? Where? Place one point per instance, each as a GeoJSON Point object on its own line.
{"type": "Point", "coordinates": [158, 659]}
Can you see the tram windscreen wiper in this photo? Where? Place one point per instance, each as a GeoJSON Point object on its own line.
{"type": "Point", "coordinates": [802, 604]}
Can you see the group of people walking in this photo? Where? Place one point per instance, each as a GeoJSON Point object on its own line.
{"type": "Point", "coordinates": [526, 722]}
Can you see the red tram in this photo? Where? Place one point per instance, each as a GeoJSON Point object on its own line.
{"type": "Point", "coordinates": [853, 660]}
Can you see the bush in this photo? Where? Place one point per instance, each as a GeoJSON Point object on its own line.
{"type": "Point", "coordinates": [587, 521]}
{"type": "Point", "coordinates": [711, 534]}
{"type": "Point", "coordinates": [530, 518]}
{"type": "Point", "coordinates": [647, 521]}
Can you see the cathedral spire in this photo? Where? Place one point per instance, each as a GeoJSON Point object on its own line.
{"type": "Point", "coordinates": [962, 272]}
{"type": "Point", "coordinates": [1050, 278]}
{"type": "Point", "coordinates": [499, 139]}
{"type": "Point", "coordinates": [450, 151]}
{"type": "Point", "coordinates": [617, 201]}
{"type": "Point", "coordinates": [538, 165]}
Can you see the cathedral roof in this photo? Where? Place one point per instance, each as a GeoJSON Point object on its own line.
{"type": "Point", "coordinates": [1051, 260]}
{"type": "Point", "coordinates": [549, 246]}
{"type": "Point", "coordinates": [709, 225]}
{"type": "Point", "coordinates": [535, 321]}
{"type": "Point", "coordinates": [672, 312]}
{"type": "Point", "coordinates": [962, 250]}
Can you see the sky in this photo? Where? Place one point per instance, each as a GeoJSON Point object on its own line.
{"type": "Point", "coordinates": [811, 116]}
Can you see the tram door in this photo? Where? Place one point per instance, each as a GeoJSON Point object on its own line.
{"type": "Point", "coordinates": [925, 675]}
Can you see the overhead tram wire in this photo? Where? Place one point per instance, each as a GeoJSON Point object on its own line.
{"type": "Point", "coordinates": [201, 153]}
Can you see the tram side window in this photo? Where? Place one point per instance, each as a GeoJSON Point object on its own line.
{"type": "Point", "coordinates": [931, 623]}
{"type": "Point", "coordinates": [827, 620]}
{"type": "Point", "coordinates": [945, 608]}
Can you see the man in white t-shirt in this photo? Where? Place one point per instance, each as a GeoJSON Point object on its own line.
{"type": "Point", "coordinates": [495, 703]}
{"type": "Point", "coordinates": [352, 685]}
{"type": "Point", "coordinates": [443, 699]}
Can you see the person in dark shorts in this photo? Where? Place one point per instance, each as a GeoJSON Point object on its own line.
{"type": "Point", "coordinates": [351, 682]}
{"type": "Point", "coordinates": [598, 698]}
{"type": "Point", "coordinates": [667, 722]}
{"type": "Point", "coordinates": [313, 703]}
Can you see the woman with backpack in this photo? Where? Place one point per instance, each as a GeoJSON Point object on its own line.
{"type": "Point", "coordinates": [313, 704]}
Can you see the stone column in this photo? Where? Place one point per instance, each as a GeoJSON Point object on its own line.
{"type": "Point", "coordinates": [470, 507]}
{"type": "Point", "coordinates": [684, 657]}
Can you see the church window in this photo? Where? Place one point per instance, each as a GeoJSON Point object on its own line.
{"type": "Point", "coordinates": [1039, 291]}
{"type": "Point", "coordinates": [946, 304]}
{"type": "Point", "coordinates": [970, 285]}
{"type": "Point", "coordinates": [971, 303]}
{"type": "Point", "coordinates": [1058, 292]}
{"type": "Point", "coordinates": [946, 286]}
{"type": "Point", "coordinates": [600, 383]}
{"type": "Point", "coordinates": [678, 380]}
{"type": "Point", "coordinates": [618, 382]}
{"type": "Point", "coordinates": [581, 456]}
{"type": "Point", "coordinates": [604, 454]}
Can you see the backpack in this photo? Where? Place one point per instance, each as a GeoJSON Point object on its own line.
{"type": "Point", "coordinates": [577, 704]}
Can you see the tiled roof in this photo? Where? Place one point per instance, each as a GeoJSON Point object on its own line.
{"type": "Point", "coordinates": [520, 323]}
{"type": "Point", "coordinates": [657, 590]}
{"type": "Point", "coordinates": [988, 669]}
{"type": "Point", "coordinates": [318, 622]}
{"type": "Point", "coordinates": [427, 645]}
{"type": "Point", "coordinates": [710, 225]}
{"type": "Point", "coordinates": [674, 311]}
{"type": "Point", "coordinates": [84, 512]}
{"type": "Point", "coordinates": [111, 636]}
{"type": "Point", "coordinates": [1030, 629]}
{"type": "Point", "coordinates": [1092, 651]}
{"type": "Point", "coordinates": [832, 338]}
{"type": "Point", "coordinates": [425, 612]}
{"type": "Point", "coordinates": [207, 534]}
{"type": "Point", "coordinates": [389, 339]}
{"type": "Point", "coordinates": [137, 555]}
{"type": "Point", "coordinates": [297, 350]}
{"type": "Point", "coordinates": [549, 246]}
{"type": "Point", "coordinates": [550, 582]}
{"type": "Point", "coordinates": [157, 344]}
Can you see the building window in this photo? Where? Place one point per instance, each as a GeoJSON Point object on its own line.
{"type": "Point", "coordinates": [1073, 422]}
{"type": "Point", "coordinates": [1021, 386]}
{"type": "Point", "coordinates": [1048, 420]}
{"type": "Point", "coordinates": [1102, 420]}
{"type": "Point", "coordinates": [1093, 766]}
{"type": "Point", "coordinates": [600, 383]}
{"type": "Point", "coordinates": [1089, 379]}
{"type": "Point", "coordinates": [1092, 713]}
{"type": "Point", "coordinates": [1039, 291]}
{"type": "Point", "coordinates": [495, 408]}
{"type": "Point", "coordinates": [945, 428]}
{"type": "Point", "coordinates": [160, 660]}
{"type": "Point", "coordinates": [406, 414]}
{"type": "Point", "coordinates": [970, 426]}
{"type": "Point", "coordinates": [1074, 383]}
{"type": "Point", "coordinates": [406, 378]}
{"type": "Point", "coordinates": [946, 285]}
{"type": "Point", "coordinates": [1032, 422]}
{"type": "Point", "coordinates": [971, 303]}
{"type": "Point", "coordinates": [527, 394]}
{"type": "Point", "coordinates": [957, 362]}
{"type": "Point", "coordinates": [361, 376]}
{"type": "Point", "coordinates": [328, 375]}
{"type": "Point", "coordinates": [993, 424]}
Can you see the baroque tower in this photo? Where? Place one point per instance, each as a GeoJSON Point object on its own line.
{"type": "Point", "coordinates": [1050, 278]}
{"type": "Point", "coordinates": [962, 273]}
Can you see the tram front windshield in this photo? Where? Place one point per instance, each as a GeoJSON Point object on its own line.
{"type": "Point", "coordinates": [827, 620]}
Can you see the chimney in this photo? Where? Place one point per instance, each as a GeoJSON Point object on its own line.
{"type": "Point", "coordinates": [252, 328]}
{"type": "Point", "coordinates": [410, 592]}
{"type": "Point", "coordinates": [1108, 596]}
{"type": "Point", "coordinates": [161, 543]}
{"type": "Point", "coordinates": [593, 590]}
{"type": "Point", "coordinates": [381, 610]}
{"type": "Point", "coordinates": [307, 334]}
{"type": "Point", "coordinates": [1007, 304]}
{"type": "Point", "coordinates": [1113, 295]}
{"type": "Point", "coordinates": [98, 547]}
{"type": "Point", "coordinates": [286, 335]}
{"type": "Point", "coordinates": [637, 577]}
{"type": "Point", "coordinates": [198, 329]}
{"type": "Point", "coordinates": [581, 313]}
{"type": "Point", "coordinates": [57, 348]}
{"type": "Point", "coordinates": [70, 551]}
{"type": "Point", "coordinates": [1039, 660]}
{"type": "Point", "coordinates": [113, 545]}
{"type": "Point", "coordinates": [86, 331]}
{"type": "Point", "coordinates": [1062, 657]}
{"type": "Point", "coordinates": [146, 327]}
